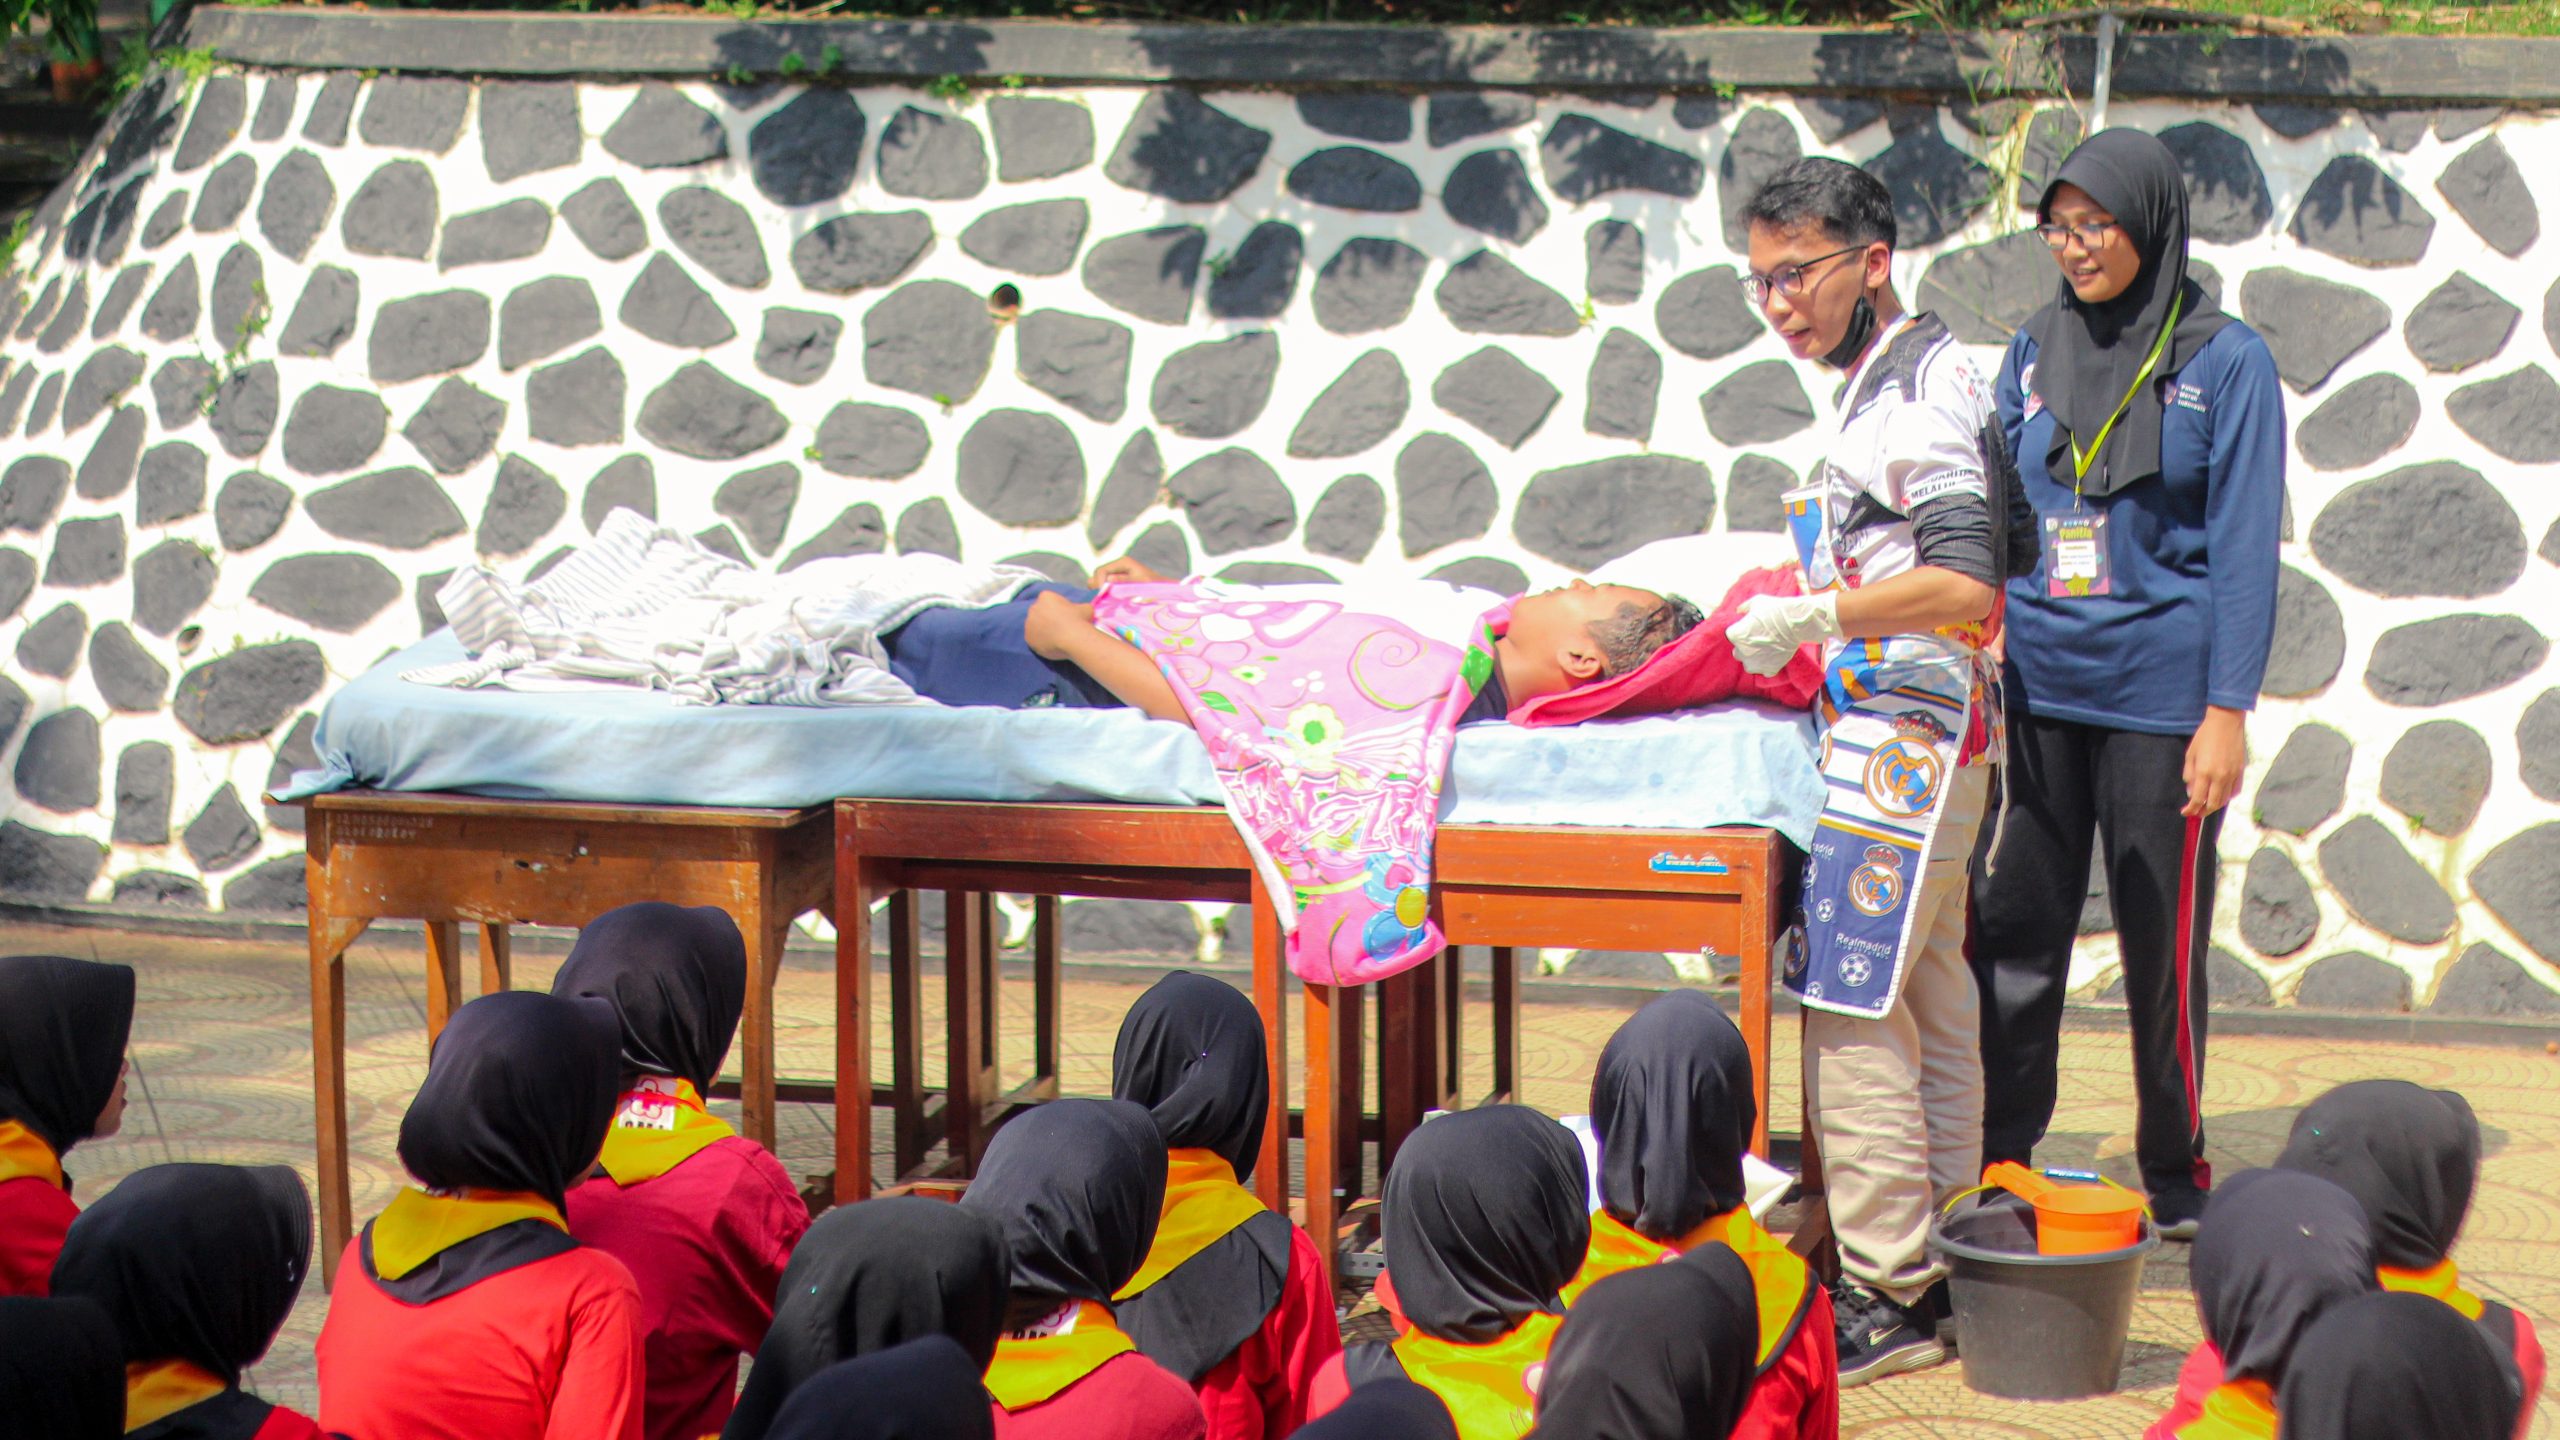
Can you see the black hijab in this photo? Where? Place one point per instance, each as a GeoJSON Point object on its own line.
{"type": "Point", "coordinates": [871, 1276]}
{"type": "Point", "coordinates": [1660, 1352]}
{"type": "Point", "coordinates": [2408, 1154]}
{"type": "Point", "coordinates": [678, 978]}
{"type": "Point", "coordinates": [1487, 1215]}
{"type": "Point", "coordinates": [63, 1028]}
{"type": "Point", "coordinates": [2387, 1366]}
{"type": "Point", "coordinates": [1191, 1051]}
{"type": "Point", "coordinates": [61, 1369]}
{"type": "Point", "coordinates": [199, 1263]}
{"type": "Point", "coordinates": [2277, 1251]}
{"type": "Point", "coordinates": [925, 1389]}
{"type": "Point", "coordinates": [2087, 355]}
{"type": "Point", "coordinates": [1390, 1407]}
{"type": "Point", "coordinates": [1673, 1104]}
{"type": "Point", "coordinates": [520, 1091]}
{"type": "Point", "coordinates": [1077, 1186]}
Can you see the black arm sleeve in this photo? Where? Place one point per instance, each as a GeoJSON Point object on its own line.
{"type": "Point", "coordinates": [1954, 532]}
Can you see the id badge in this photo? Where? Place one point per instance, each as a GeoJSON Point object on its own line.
{"type": "Point", "coordinates": [2075, 548]}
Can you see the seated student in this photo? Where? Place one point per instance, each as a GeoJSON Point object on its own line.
{"type": "Point", "coordinates": [1232, 1298]}
{"type": "Point", "coordinates": [2276, 1251]}
{"type": "Point", "coordinates": [703, 1218]}
{"type": "Point", "coordinates": [1660, 1352]}
{"type": "Point", "coordinates": [1041, 649]}
{"type": "Point", "coordinates": [1077, 1186]}
{"type": "Point", "coordinates": [871, 1276]}
{"type": "Point", "coordinates": [924, 1389]}
{"type": "Point", "coordinates": [465, 1311]}
{"type": "Point", "coordinates": [2394, 1364]}
{"type": "Point", "coordinates": [198, 1267]}
{"type": "Point", "coordinates": [1672, 1103]}
{"type": "Point", "coordinates": [1486, 1218]}
{"type": "Point", "coordinates": [61, 1369]}
{"type": "Point", "coordinates": [1392, 1408]}
{"type": "Point", "coordinates": [63, 1028]}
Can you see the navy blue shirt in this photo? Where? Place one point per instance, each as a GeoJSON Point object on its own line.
{"type": "Point", "coordinates": [2191, 552]}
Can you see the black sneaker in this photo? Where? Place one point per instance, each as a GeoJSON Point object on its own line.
{"type": "Point", "coordinates": [2177, 1213]}
{"type": "Point", "coordinates": [1877, 1337]}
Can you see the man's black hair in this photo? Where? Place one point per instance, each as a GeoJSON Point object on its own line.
{"type": "Point", "coordinates": [1850, 205]}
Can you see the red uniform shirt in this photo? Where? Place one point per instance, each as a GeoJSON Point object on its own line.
{"type": "Point", "coordinates": [35, 1214]}
{"type": "Point", "coordinates": [706, 1243]}
{"type": "Point", "coordinates": [1261, 1391]}
{"type": "Point", "coordinates": [1127, 1397]}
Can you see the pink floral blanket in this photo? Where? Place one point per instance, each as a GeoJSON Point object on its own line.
{"type": "Point", "coordinates": [1331, 731]}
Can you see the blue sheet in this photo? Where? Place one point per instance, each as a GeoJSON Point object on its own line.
{"type": "Point", "coordinates": [1736, 764]}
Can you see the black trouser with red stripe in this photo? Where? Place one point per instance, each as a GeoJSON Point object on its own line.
{"type": "Point", "coordinates": [2069, 786]}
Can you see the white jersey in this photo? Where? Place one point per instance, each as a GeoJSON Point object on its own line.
{"type": "Point", "coordinates": [1913, 424]}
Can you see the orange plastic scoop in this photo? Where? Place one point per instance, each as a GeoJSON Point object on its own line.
{"type": "Point", "coordinates": [2072, 1219]}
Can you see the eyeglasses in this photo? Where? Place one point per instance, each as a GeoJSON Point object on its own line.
{"type": "Point", "coordinates": [2091, 235]}
{"type": "Point", "coordinates": [1787, 280]}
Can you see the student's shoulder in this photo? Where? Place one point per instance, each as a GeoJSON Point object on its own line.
{"type": "Point", "coordinates": [589, 1272]}
{"type": "Point", "coordinates": [2236, 349]}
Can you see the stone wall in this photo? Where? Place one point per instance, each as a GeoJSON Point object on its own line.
{"type": "Point", "coordinates": [295, 345]}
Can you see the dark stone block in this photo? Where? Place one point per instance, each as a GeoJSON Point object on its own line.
{"type": "Point", "coordinates": [805, 152]}
{"type": "Point", "coordinates": [297, 753]}
{"type": "Point", "coordinates": [428, 335]}
{"type": "Point", "coordinates": [715, 233]}
{"type": "Point", "coordinates": [1483, 573]}
{"type": "Point", "coordinates": [2486, 189]}
{"type": "Point", "coordinates": [925, 156]}
{"type": "Point", "coordinates": [1613, 262]}
{"type": "Point", "coordinates": [603, 218]}
{"type": "Point", "coordinates": [1493, 391]}
{"type": "Point", "coordinates": [41, 311]}
{"type": "Point", "coordinates": [393, 213]}
{"type": "Point", "coordinates": [167, 219]}
{"type": "Point", "coordinates": [796, 347]}
{"type": "Point", "coordinates": [541, 318]}
{"type": "Point", "coordinates": [1257, 279]}
{"type": "Point", "coordinates": [668, 306]}
{"type": "Point", "coordinates": [146, 781]}
{"type": "Point", "coordinates": [1150, 273]}
{"type": "Point", "coordinates": [1134, 927]}
{"type": "Point", "coordinates": [325, 315]}
{"type": "Point", "coordinates": [225, 195]}
{"type": "Point", "coordinates": [2514, 881]}
{"type": "Point", "coordinates": [14, 396]}
{"type": "Point", "coordinates": [399, 509]}
{"type": "Point", "coordinates": [1491, 191]}
{"type": "Point", "coordinates": [1347, 520]}
{"type": "Point", "coordinates": [1465, 115]}
{"type": "Point", "coordinates": [704, 414]}
{"type": "Point", "coordinates": [527, 127]}
{"type": "Point", "coordinates": [17, 582]}
{"type": "Point", "coordinates": [1181, 148]}
{"type": "Point", "coordinates": [335, 592]}
{"type": "Point", "coordinates": [2454, 122]}
{"type": "Point", "coordinates": [857, 530]}
{"type": "Point", "coordinates": [1077, 360]}
{"type": "Point", "coordinates": [1036, 139]}
{"type": "Point", "coordinates": [926, 527]}
{"type": "Point", "coordinates": [1348, 177]}
{"type": "Point", "coordinates": [414, 112]}
{"type": "Point", "coordinates": [662, 129]}
{"type": "Point", "coordinates": [1037, 237]}
{"type": "Point", "coordinates": [119, 300]}
{"type": "Point", "coordinates": [2551, 316]}
{"type": "Point", "coordinates": [68, 321]}
{"type": "Point", "coordinates": [275, 108]}
{"type": "Point", "coordinates": [2515, 416]}
{"type": "Point", "coordinates": [333, 430]}
{"type": "Point", "coordinates": [31, 490]}
{"type": "Point", "coordinates": [2363, 422]}
{"type": "Point", "coordinates": [335, 107]}
{"type": "Point", "coordinates": [51, 646]}
{"type": "Point", "coordinates": [2227, 197]}
{"type": "Point", "coordinates": [1380, 119]}
{"type": "Point", "coordinates": [457, 427]}
{"type": "Point", "coordinates": [171, 582]}
{"type": "Point", "coordinates": [2353, 980]}
{"type": "Point", "coordinates": [2400, 131]}
{"type": "Point", "coordinates": [112, 457]}
{"type": "Point", "coordinates": [929, 338]}
{"type": "Point", "coordinates": [1936, 187]}
{"type": "Point", "coordinates": [577, 401]}
{"type": "Point", "coordinates": [297, 202]}
{"type": "Point", "coordinates": [244, 409]}
{"type": "Point", "coordinates": [101, 381]}
{"type": "Point", "coordinates": [2373, 874]}
{"type": "Point", "coordinates": [1050, 564]}
{"type": "Point", "coordinates": [222, 104]}
{"type": "Point", "coordinates": [629, 483]}
{"type": "Point", "coordinates": [1751, 491]}
{"type": "Point", "coordinates": [510, 231]}
{"type": "Point", "coordinates": [249, 510]}
{"type": "Point", "coordinates": [275, 887]}
{"type": "Point", "coordinates": [40, 411]}
{"type": "Point", "coordinates": [424, 592]}
{"type": "Point", "coordinates": [40, 867]}
{"type": "Point", "coordinates": [1585, 159]}
{"type": "Point", "coordinates": [2311, 326]}
{"type": "Point", "coordinates": [2310, 641]}
{"type": "Point", "coordinates": [2537, 743]}
{"type": "Point", "coordinates": [2488, 984]}
{"type": "Point", "coordinates": [1443, 494]}
{"type": "Point", "coordinates": [172, 485]}
{"type": "Point", "coordinates": [2357, 212]}
{"type": "Point", "coordinates": [1215, 389]}
{"type": "Point", "coordinates": [759, 503]}
{"type": "Point", "coordinates": [1757, 404]}
{"type": "Point", "coordinates": [1133, 485]}
{"type": "Point", "coordinates": [238, 296]}
{"type": "Point", "coordinates": [525, 504]}
{"type": "Point", "coordinates": [2453, 657]}
{"type": "Point", "coordinates": [1696, 112]}
{"type": "Point", "coordinates": [874, 442]}
{"type": "Point", "coordinates": [2296, 121]}
{"type": "Point", "coordinates": [86, 552]}
{"type": "Point", "coordinates": [2437, 775]}
{"type": "Point", "coordinates": [58, 765]}
{"type": "Point", "coordinates": [1582, 515]}
{"type": "Point", "coordinates": [1834, 118]}
{"type": "Point", "coordinates": [1163, 548]}
{"type": "Point", "coordinates": [157, 890]}
{"type": "Point", "coordinates": [1021, 467]}
{"type": "Point", "coordinates": [2051, 135]}
{"type": "Point", "coordinates": [1369, 285]}
{"type": "Point", "coordinates": [1986, 292]}
{"type": "Point", "coordinates": [2436, 529]}
{"type": "Point", "coordinates": [1703, 315]}
{"type": "Point", "coordinates": [1363, 406]}
{"type": "Point", "coordinates": [2461, 323]}
{"type": "Point", "coordinates": [179, 390]}
{"type": "Point", "coordinates": [2278, 915]}
{"type": "Point", "coordinates": [857, 252]}
{"type": "Point", "coordinates": [1485, 294]}
{"type": "Point", "coordinates": [1235, 501]}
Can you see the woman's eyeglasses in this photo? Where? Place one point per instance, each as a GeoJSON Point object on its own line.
{"type": "Point", "coordinates": [1787, 280]}
{"type": "Point", "coordinates": [2091, 235]}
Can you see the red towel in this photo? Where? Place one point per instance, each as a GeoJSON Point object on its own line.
{"type": "Point", "coordinates": [1696, 669]}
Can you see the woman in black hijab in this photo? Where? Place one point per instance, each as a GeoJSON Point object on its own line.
{"type": "Point", "coordinates": [1390, 1408]}
{"type": "Point", "coordinates": [61, 1369]}
{"type": "Point", "coordinates": [1666, 1352]}
{"type": "Point", "coordinates": [63, 1029]}
{"type": "Point", "coordinates": [1231, 1298]}
{"type": "Point", "coordinates": [198, 1266]}
{"type": "Point", "coordinates": [676, 976]}
{"type": "Point", "coordinates": [2391, 1365]}
{"type": "Point", "coordinates": [2149, 433]}
{"type": "Point", "coordinates": [872, 1276]}
{"type": "Point", "coordinates": [923, 1389]}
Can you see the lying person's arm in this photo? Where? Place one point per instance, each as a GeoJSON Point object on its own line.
{"type": "Point", "coordinates": [1060, 629]}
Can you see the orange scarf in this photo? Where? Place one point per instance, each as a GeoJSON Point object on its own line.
{"type": "Point", "coordinates": [1780, 1280]}
{"type": "Point", "coordinates": [2235, 1410]}
{"type": "Point", "coordinates": [161, 1388]}
{"type": "Point", "coordinates": [1489, 1388]}
{"type": "Point", "coordinates": [1203, 1204]}
{"type": "Point", "coordinates": [1034, 1365]}
{"type": "Point", "coordinates": [2443, 1282]}
{"type": "Point", "coordinates": [417, 1226]}
{"type": "Point", "coordinates": [23, 1156]}
{"type": "Point", "coordinates": [660, 1124]}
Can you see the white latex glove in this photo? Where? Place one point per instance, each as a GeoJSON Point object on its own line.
{"type": "Point", "coordinates": [1772, 626]}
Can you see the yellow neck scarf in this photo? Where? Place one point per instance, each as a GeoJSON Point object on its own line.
{"type": "Point", "coordinates": [1486, 1387]}
{"type": "Point", "coordinates": [2237, 1410]}
{"type": "Point", "coordinates": [2443, 1282]}
{"type": "Point", "coordinates": [1033, 1367]}
{"type": "Point", "coordinates": [1202, 1204]}
{"type": "Point", "coordinates": [417, 1227]}
{"type": "Point", "coordinates": [1780, 1280]}
{"type": "Point", "coordinates": [659, 1126]}
{"type": "Point", "coordinates": [23, 1156]}
{"type": "Point", "coordinates": [158, 1389]}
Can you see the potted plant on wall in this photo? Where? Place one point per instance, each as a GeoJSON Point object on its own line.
{"type": "Point", "coordinates": [71, 41]}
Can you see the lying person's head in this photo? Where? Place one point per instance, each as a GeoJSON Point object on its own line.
{"type": "Point", "coordinates": [1583, 632]}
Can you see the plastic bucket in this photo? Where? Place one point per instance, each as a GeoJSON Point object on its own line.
{"type": "Point", "coordinates": [2036, 1326]}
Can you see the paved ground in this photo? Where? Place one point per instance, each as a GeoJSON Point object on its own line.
{"type": "Point", "coordinates": [222, 1065]}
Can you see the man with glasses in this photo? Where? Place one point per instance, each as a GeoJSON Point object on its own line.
{"type": "Point", "coordinates": [1907, 532]}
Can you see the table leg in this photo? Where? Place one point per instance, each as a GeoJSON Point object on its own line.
{"type": "Point", "coordinates": [906, 1028]}
{"type": "Point", "coordinates": [1506, 1026]}
{"type": "Point", "coordinates": [991, 1013]}
{"type": "Point", "coordinates": [497, 958]}
{"type": "Point", "coordinates": [330, 936]}
{"type": "Point", "coordinates": [853, 1027]}
{"type": "Point", "coordinates": [1453, 1031]}
{"type": "Point", "coordinates": [1048, 984]}
{"type": "Point", "coordinates": [444, 975]}
{"type": "Point", "coordinates": [1270, 998]}
{"type": "Point", "coordinates": [963, 1111]}
{"type": "Point", "coordinates": [756, 1066]}
{"type": "Point", "coordinates": [1758, 901]}
{"type": "Point", "coordinates": [1408, 1034]}
{"type": "Point", "coordinates": [1350, 1088]}
{"type": "Point", "coordinates": [1325, 1196]}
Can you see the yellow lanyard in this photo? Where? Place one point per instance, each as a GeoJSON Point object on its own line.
{"type": "Point", "coordinates": [2081, 462]}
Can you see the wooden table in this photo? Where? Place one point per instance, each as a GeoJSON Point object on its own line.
{"type": "Point", "coordinates": [1501, 885]}
{"type": "Point", "coordinates": [455, 859]}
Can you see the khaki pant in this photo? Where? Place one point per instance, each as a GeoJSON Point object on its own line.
{"type": "Point", "coordinates": [1897, 1101]}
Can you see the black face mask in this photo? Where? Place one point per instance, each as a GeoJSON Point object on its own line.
{"type": "Point", "coordinates": [1862, 328]}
